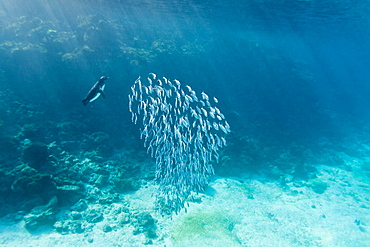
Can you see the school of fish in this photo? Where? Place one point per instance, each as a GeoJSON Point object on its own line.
{"type": "Point", "coordinates": [183, 131]}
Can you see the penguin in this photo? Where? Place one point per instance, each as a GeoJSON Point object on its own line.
{"type": "Point", "coordinates": [95, 91]}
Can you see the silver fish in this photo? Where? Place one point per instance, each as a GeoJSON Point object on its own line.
{"type": "Point", "coordinates": [204, 96]}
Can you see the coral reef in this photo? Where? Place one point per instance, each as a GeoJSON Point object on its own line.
{"type": "Point", "coordinates": [50, 167]}
{"type": "Point", "coordinates": [38, 184]}
{"type": "Point", "coordinates": [35, 155]}
{"type": "Point", "coordinates": [41, 216]}
{"type": "Point", "coordinates": [144, 223]}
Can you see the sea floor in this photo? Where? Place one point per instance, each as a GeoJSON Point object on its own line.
{"type": "Point", "coordinates": [330, 210]}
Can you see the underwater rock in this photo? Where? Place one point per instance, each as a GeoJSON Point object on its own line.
{"type": "Point", "coordinates": [95, 159]}
{"type": "Point", "coordinates": [23, 170]}
{"type": "Point", "coordinates": [93, 172]}
{"type": "Point", "coordinates": [55, 150]}
{"type": "Point", "coordinates": [144, 223]}
{"type": "Point", "coordinates": [107, 228]}
{"type": "Point", "coordinates": [69, 136]}
{"type": "Point", "coordinates": [123, 218]}
{"type": "Point", "coordinates": [70, 146]}
{"type": "Point", "coordinates": [92, 36]}
{"type": "Point", "coordinates": [115, 215]}
{"type": "Point", "coordinates": [118, 209]}
{"type": "Point", "coordinates": [109, 198]}
{"type": "Point", "coordinates": [6, 182]}
{"type": "Point", "coordinates": [76, 60]}
{"type": "Point", "coordinates": [145, 219]}
{"type": "Point", "coordinates": [94, 216]}
{"type": "Point", "coordinates": [164, 46]}
{"type": "Point", "coordinates": [85, 53]}
{"type": "Point", "coordinates": [32, 190]}
{"type": "Point", "coordinates": [59, 42]}
{"type": "Point", "coordinates": [100, 138]}
{"type": "Point", "coordinates": [35, 155]}
{"type": "Point", "coordinates": [194, 48]}
{"type": "Point", "coordinates": [69, 226]}
{"type": "Point", "coordinates": [76, 215]}
{"type": "Point", "coordinates": [27, 52]}
{"type": "Point", "coordinates": [69, 129]}
{"type": "Point", "coordinates": [26, 29]}
{"type": "Point", "coordinates": [34, 132]}
{"type": "Point", "coordinates": [148, 242]}
{"type": "Point", "coordinates": [99, 142]}
{"type": "Point", "coordinates": [123, 185]}
{"type": "Point", "coordinates": [36, 185]}
{"type": "Point", "coordinates": [9, 148]}
{"type": "Point", "coordinates": [93, 194]}
{"type": "Point", "coordinates": [69, 194]}
{"type": "Point", "coordinates": [80, 206]}
{"type": "Point", "coordinates": [99, 180]}
{"type": "Point", "coordinates": [95, 28]}
{"type": "Point", "coordinates": [41, 215]}
{"type": "Point", "coordinates": [37, 31]}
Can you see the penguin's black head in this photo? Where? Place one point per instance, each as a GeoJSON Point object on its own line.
{"type": "Point", "coordinates": [104, 77]}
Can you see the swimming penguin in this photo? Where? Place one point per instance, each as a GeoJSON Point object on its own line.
{"type": "Point", "coordinates": [95, 91]}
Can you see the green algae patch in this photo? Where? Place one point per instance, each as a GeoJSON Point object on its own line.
{"type": "Point", "coordinates": [317, 185]}
{"type": "Point", "coordinates": [205, 229]}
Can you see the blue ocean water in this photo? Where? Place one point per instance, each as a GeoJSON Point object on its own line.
{"type": "Point", "coordinates": [291, 78]}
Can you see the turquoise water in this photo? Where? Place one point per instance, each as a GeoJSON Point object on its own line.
{"type": "Point", "coordinates": [291, 79]}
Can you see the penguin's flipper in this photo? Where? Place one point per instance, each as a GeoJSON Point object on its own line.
{"type": "Point", "coordinates": [101, 90]}
{"type": "Point", "coordinates": [102, 93]}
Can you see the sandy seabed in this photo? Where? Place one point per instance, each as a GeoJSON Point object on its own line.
{"type": "Point", "coordinates": [249, 211]}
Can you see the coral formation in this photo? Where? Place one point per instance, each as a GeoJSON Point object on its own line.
{"type": "Point", "coordinates": [35, 155]}
{"type": "Point", "coordinates": [38, 184]}
{"type": "Point", "coordinates": [144, 223]}
{"type": "Point", "coordinates": [41, 215]}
